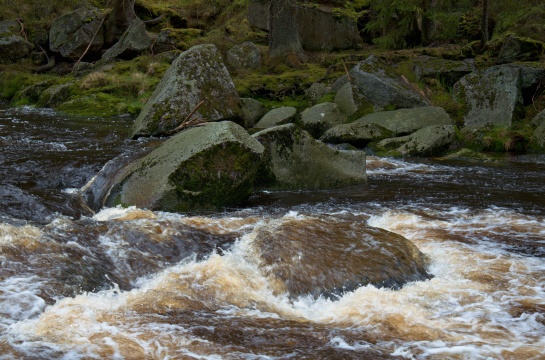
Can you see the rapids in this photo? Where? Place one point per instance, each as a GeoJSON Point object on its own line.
{"type": "Point", "coordinates": [135, 284]}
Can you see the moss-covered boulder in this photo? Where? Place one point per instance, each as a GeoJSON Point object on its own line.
{"type": "Point", "coordinates": [357, 134]}
{"type": "Point", "coordinates": [198, 74]}
{"type": "Point", "coordinates": [491, 97]}
{"type": "Point", "coordinates": [539, 118]}
{"type": "Point", "coordinates": [406, 121]}
{"type": "Point", "coordinates": [13, 48]}
{"type": "Point", "coordinates": [351, 101]}
{"type": "Point", "coordinates": [206, 167]}
{"type": "Point", "coordinates": [252, 111]}
{"type": "Point", "coordinates": [448, 72]}
{"type": "Point", "coordinates": [320, 118]}
{"type": "Point", "coordinates": [293, 159]}
{"type": "Point", "coordinates": [352, 254]}
{"type": "Point", "coordinates": [516, 48]}
{"type": "Point", "coordinates": [377, 82]}
{"type": "Point", "coordinates": [9, 28]}
{"type": "Point", "coordinates": [31, 94]}
{"type": "Point", "coordinates": [135, 41]}
{"type": "Point", "coordinates": [71, 33]}
{"type": "Point", "coordinates": [244, 56]}
{"type": "Point", "coordinates": [54, 95]}
{"type": "Point", "coordinates": [275, 117]}
{"type": "Point", "coordinates": [539, 135]}
{"type": "Point", "coordinates": [429, 141]}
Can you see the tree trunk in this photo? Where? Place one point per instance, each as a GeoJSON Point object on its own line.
{"type": "Point", "coordinates": [484, 24]}
{"type": "Point", "coordinates": [283, 33]}
{"type": "Point", "coordinates": [119, 20]}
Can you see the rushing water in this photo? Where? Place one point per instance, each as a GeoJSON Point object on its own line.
{"type": "Point", "coordinates": [135, 284]}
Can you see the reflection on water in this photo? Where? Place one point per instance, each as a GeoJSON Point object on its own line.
{"type": "Point", "coordinates": [135, 284]}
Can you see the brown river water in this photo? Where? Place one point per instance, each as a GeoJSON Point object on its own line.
{"type": "Point", "coordinates": [135, 284]}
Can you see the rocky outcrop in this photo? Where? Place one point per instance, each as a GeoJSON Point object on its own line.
{"type": "Point", "coordinates": [357, 134]}
{"type": "Point", "coordinates": [198, 74]}
{"type": "Point", "coordinates": [244, 56]}
{"type": "Point", "coordinates": [13, 48]}
{"type": "Point", "coordinates": [429, 141]}
{"type": "Point", "coordinates": [407, 121]}
{"type": "Point", "coordinates": [448, 72]}
{"type": "Point", "coordinates": [71, 33]}
{"type": "Point", "coordinates": [135, 41]}
{"type": "Point", "coordinates": [31, 94]}
{"type": "Point", "coordinates": [206, 167]}
{"type": "Point", "coordinates": [294, 160]}
{"type": "Point", "coordinates": [286, 254]}
{"type": "Point", "coordinates": [516, 48]}
{"type": "Point", "coordinates": [492, 97]}
{"type": "Point", "coordinates": [319, 118]}
{"type": "Point", "coordinates": [320, 28]}
{"type": "Point", "coordinates": [275, 117]}
{"type": "Point", "coordinates": [374, 80]}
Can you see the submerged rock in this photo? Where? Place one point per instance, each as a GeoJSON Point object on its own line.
{"type": "Point", "coordinates": [294, 160]}
{"type": "Point", "coordinates": [330, 256]}
{"type": "Point", "coordinates": [198, 74]}
{"type": "Point", "coordinates": [206, 167]}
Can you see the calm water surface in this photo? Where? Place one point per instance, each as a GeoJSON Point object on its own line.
{"type": "Point", "coordinates": [136, 284]}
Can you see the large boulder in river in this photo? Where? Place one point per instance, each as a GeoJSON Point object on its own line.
{"type": "Point", "coordinates": [406, 121]}
{"type": "Point", "coordinates": [492, 97]}
{"type": "Point", "coordinates": [320, 118]}
{"type": "Point", "coordinates": [132, 43]}
{"type": "Point", "coordinates": [71, 33]}
{"type": "Point", "coordinates": [352, 254]}
{"type": "Point", "coordinates": [206, 167]}
{"type": "Point", "coordinates": [429, 141]}
{"type": "Point", "coordinates": [294, 160]}
{"type": "Point", "coordinates": [198, 74]}
{"type": "Point", "coordinates": [373, 78]}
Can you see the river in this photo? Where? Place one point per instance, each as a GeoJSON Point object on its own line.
{"type": "Point", "coordinates": [135, 284]}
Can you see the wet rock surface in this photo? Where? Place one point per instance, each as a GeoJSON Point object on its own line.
{"type": "Point", "coordinates": [300, 257]}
